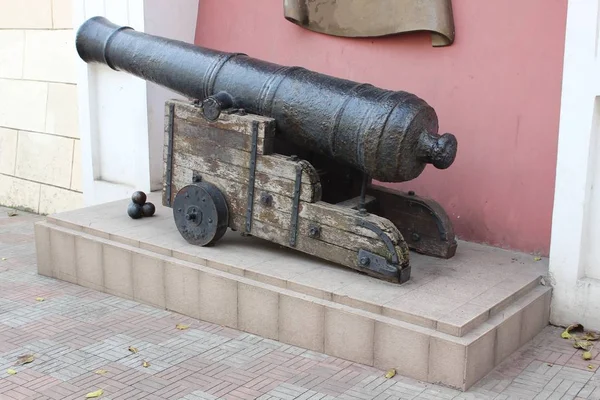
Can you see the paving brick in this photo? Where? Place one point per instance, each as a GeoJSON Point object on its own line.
{"type": "Point", "coordinates": [77, 331]}
{"type": "Point", "coordinates": [244, 393]}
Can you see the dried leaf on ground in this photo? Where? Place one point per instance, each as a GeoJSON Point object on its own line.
{"type": "Point", "coordinates": [145, 364]}
{"type": "Point", "coordinates": [11, 371]}
{"type": "Point", "coordinates": [26, 359]}
{"type": "Point", "coordinates": [391, 373]}
{"type": "Point", "coordinates": [537, 259]}
{"type": "Point", "coordinates": [570, 329]}
{"type": "Point", "coordinates": [182, 327]}
{"type": "Point", "coordinates": [583, 344]}
{"type": "Point", "coordinates": [133, 349]}
{"type": "Point", "coordinates": [101, 371]}
{"type": "Point", "coordinates": [39, 299]}
{"type": "Point", "coordinates": [97, 393]}
{"type": "Point", "coordinates": [587, 355]}
{"type": "Point", "coordinates": [591, 366]}
{"type": "Point", "coordinates": [591, 336]}
{"type": "Point", "coordinates": [11, 213]}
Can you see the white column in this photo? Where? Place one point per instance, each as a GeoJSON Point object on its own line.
{"type": "Point", "coordinates": [575, 248]}
{"type": "Point", "coordinates": [121, 116]}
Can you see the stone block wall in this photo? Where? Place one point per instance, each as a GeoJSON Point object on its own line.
{"type": "Point", "coordinates": [40, 160]}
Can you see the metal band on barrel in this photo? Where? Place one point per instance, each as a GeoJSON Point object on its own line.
{"type": "Point", "coordinates": [107, 42]}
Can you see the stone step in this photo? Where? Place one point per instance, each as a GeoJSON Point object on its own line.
{"type": "Point", "coordinates": [256, 287]}
{"type": "Point", "coordinates": [451, 296]}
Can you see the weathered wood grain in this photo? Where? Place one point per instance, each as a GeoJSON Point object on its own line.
{"type": "Point", "coordinates": [267, 182]}
{"type": "Point", "coordinates": [209, 136]}
{"type": "Point", "coordinates": [274, 164]}
{"type": "Point", "coordinates": [233, 122]}
{"type": "Point", "coordinates": [318, 248]}
{"type": "Point", "coordinates": [347, 234]}
{"type": "Point", "coordinates": [220, 152]}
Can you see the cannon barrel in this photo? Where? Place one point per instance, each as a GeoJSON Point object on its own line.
{"type": "Point", "coordinates": [388, 135]}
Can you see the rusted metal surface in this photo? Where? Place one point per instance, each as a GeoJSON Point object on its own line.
{"type": "Point", "coordinates": [372, 18]}
{"type": "Point", "coordinates": [201, 213]}
{"type": "Point", "coordinates": [169, 159]}
{"type": "Point", "coordinates": [252, 176]}
{"type": "Point", "coordinates": [389, 135]}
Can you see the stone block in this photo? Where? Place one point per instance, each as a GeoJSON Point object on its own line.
{"type": "Point", "coordinates": [301, 322]}
{"type": "Point", "coordinates": [88, 257]}
{"type": "Point", "coordinates": [148, 280]}
{"type": "Point", "coordinates": [50, 56]}
{"type": "Point", "coordinates": [182, 292]}
{"type": "Point", "coordinates": [508, 335]}
{"type": "Point", "coordinates": [42, 249]}
{"type": "Point", "coordinates": [495, 299]}
{"type": "Point", "coordinates": [62, 248]}
{"type": "Point", "coordinates": [419, 308]}
{"type": "Point", "coordinates": [61, 113]}
{"type": "Point", "coordinates": [15, 192]}
{"type": "Point", "coordinates": [446, 362]}
{"type": "Point", "coordinates": [45, 158]}
{"type": "Point", "coordinates": [463, 319]}
{"type": "Point", "coordinates": [23, 104]}
{"type": "Point", "coordinates": [218, 300]}
{"type": "Point", "coordinates": [8, 149]}
{"type": "Point", "coordinates": [369, 295]}
{"type": "Point", "coordinates": [116, 265]}
{"type": "Point", "coordinates": [349, 336]}
{"type": "Point", "coordinates": [309, 291]}
{"type": "Point", "coordinates": [76, 172]}
{"type": "Point", "coordinates": [25, 14]}
{"type": "Point", "coordinates": [12, 45]}
{"type": "Point", "coordinates": [403, 349]}
{"type": "Point", "coordinates": [480, 358]}
{"type": "Point", "coordinates": [535, 315]}
{"type": "Point", "coordinates": [316, 321]}
{"type": "Point", "coordinates": [55, 200]}
{"type": "Point", "coordinates": [258, 310]}
{"type": "Point", "coordinates": [456, 290]}
{"type": "Point", "coordinates": [264, 278]}
{"type": "Point", "coordinates": [62, 14]}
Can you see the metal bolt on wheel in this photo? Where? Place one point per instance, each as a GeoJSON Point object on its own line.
{"type": "Point", "coordinates": [201, 213]}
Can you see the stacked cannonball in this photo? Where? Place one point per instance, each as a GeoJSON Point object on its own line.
{"type": "Point", "coordinates": [138, 207]}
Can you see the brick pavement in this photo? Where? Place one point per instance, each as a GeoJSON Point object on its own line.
{"type": "Point", "coordinates": [75, 332]}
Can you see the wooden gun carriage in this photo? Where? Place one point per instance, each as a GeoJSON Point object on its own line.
{"type": "Point", "coordinates": [288, 155]}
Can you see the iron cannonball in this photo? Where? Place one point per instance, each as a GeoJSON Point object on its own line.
{"type": "Point", "coordinates": [139, 198]}
{"type": "Point", "coordinates": [134, 211]}
{"type": "Point", "coordinates": [148, 209]}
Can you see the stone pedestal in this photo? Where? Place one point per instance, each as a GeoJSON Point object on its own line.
{"type": "Point", "coordinates": [450, 324]}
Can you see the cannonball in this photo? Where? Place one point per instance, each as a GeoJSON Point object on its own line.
{"type": "Point", "coordinates": [148, 209]}
{"type": "Point", "coordinates": [134, 211]}
{"type": "Point", "coordinates": [139, 198]}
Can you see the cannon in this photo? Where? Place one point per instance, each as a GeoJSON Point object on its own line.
{"type": "Point", "coordinates": [286, 154]}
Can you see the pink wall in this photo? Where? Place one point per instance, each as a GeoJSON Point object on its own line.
{"type": "Point", "coordinates": [497, 89]}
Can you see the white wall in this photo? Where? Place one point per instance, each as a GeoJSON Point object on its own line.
{"type": "Point", "coordinates": [121, 116]}
{"type": "Point", "coordinates": [40, 158]}
{"type": "Point", "coordinates": [575, 247]}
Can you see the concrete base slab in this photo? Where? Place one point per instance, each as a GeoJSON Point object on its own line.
{"type": "Point", "coordinates": [450, 324]}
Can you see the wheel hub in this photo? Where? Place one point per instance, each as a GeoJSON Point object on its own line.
{"type": "Point", "coordinates": [201, 213]}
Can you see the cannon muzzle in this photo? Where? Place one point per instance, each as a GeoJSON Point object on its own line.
{"type": "Point", "coordinates": [388, 135]}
